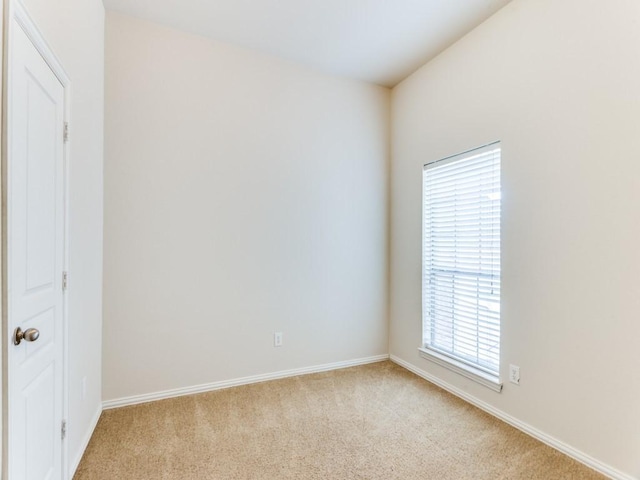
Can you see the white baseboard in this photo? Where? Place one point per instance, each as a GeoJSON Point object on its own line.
{"type": "Point", "coordinates": [208, 387]}
{"type": "Point", "coordinates": [526, 428]}
{"type": "Point", "coordinates": [85, 442]}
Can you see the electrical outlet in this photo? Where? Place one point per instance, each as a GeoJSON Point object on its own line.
{"type": "Point", "coordinates": [277, 339]}
{"type": "Point", "coordinates": [514, 374]}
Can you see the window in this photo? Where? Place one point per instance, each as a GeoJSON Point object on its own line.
{"type": "Point", "coordinates": [461, 264]}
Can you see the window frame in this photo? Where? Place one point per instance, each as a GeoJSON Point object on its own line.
{"type": "Point", "coordinates": [459, 364]}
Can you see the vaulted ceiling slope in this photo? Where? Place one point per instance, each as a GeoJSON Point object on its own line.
{"type": "Point", "coordinates": [377, 41]}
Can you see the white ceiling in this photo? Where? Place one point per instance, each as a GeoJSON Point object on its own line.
{"type": "Point", "coordinates": [378, 41]}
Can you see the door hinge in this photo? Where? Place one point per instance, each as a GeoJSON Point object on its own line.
{"type": "Point", "coordinates": [65, 135]}
{"type": "Point", "coordinates": [65, 281]}
{"type": "Point", "coordinates": [63, 430]}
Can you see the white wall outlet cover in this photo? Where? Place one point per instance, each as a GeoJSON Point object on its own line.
{"type": "Point", "coordinates": [514, 374]}
{"type": "Point", "coordinates": [277, 339]}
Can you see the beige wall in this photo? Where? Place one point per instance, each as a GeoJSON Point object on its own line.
{"type": "Point", "coordinates": [243, 195]}
{"type": "Point", "coordinates": [558, 82]}
{"type": "Point", "coordinates": [75, 31]}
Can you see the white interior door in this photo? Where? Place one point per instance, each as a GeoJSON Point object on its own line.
{"type": "Point", "coordinates": [35, 256]}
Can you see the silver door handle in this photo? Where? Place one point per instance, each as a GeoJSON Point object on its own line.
{"type": "Point", "coordinates": [29, 335]}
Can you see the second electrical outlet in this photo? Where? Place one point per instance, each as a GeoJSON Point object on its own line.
{"type": "Point", "coordinates": [277, 339]}
{"type": "Point", "coordinates": [514, 374]}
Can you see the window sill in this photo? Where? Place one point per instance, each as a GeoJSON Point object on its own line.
{"type": "Point", "coordinates": [463, 369]}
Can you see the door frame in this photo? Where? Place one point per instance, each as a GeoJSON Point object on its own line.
{"type": "Point", "coordinates": [17, 16]}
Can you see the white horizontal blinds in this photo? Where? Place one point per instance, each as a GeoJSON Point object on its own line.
{"type": "Point", "coordinates": [461, 257]}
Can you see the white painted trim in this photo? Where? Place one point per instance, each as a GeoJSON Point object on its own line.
{"type": "Point", "coordinates": [463, 369]}
{"type": "Point", "coordinates": [20, 14]}
{"type": "Point", "coordinates": [520, 425]}
{"type": "Point", "coordinates": [208, 387]}
{"type": "Point", "coordinates": [85, 441]}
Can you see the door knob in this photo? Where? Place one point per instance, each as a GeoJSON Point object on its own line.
{"type": "Point", "coordinates": [29, 335]}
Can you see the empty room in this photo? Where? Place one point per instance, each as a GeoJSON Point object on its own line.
{"type": "Point", "coordinates": [320, 239]}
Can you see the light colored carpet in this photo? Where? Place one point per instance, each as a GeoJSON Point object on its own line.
{"type": "Point", "coordinates": [375, 421]}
